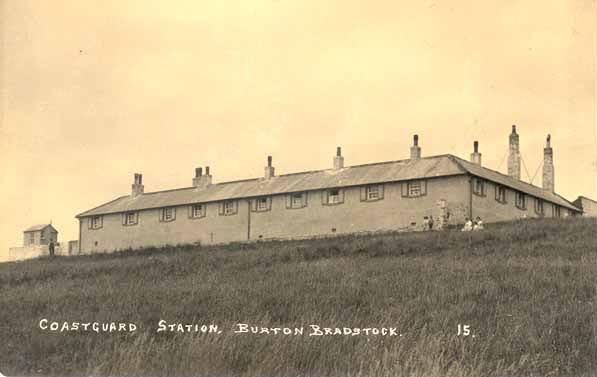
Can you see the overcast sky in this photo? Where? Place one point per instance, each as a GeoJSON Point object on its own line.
{"type": "Point", "coordinates": [94, 92]}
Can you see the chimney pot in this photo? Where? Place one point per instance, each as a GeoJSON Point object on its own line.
{"type": "Point", "coordinates": [476, 156]}
{"type": "Point", "coordinates": [137, 188]}
{"type": "Point", "coordinates": [269, 169]}
{"type": "Point", "coordinates": [513, 128]}
{"type": "Point", "coordinates": [207, 170]}
{"type": "Point", "coordinates": [338, 159]}
{"type": "Point", "coordinates": [415, 150]}
{"type": "Point", "coordinates": [198, 172]}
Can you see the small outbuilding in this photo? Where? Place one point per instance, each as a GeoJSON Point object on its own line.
{"type": "Point", "coordinates": [41, 234]}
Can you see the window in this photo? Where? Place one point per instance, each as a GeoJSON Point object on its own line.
{"type": "Point", "coordinates": [556, 211]}
{"type": "Point", "coordinates": [95, 222]}
{"type": "Point", "coordinates": [31, 237]}
{"type": "Point", "coordinates": [521, 201]}
{"type": "Point", "coordinates": [372, 192]}
{"type": "Point", "coordinates": [539, 206]}
{"type": "Point", "coordinates": [261, 204]}
{"type": "Point", "coordinates": [478, 186]}
{"type": "Point", "coordinates": [168, 214]}
{"type": "Point", "coordinates": [331, 197]}
{"type": "Point", "coordinates": [414, 189]}
{"type": "Point", "coordinates": [229, 208]}
{"type": "Point", "coordinates": [197, 211]}
{"type": "Point", "coordinates": [296, 200]}
{"type": "Point", "coordinates": [130, 218]}
{"type": "Point", "coordinates": [500, 194]}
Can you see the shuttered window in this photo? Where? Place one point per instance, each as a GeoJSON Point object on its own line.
{"type": "Point", "coordinates": [332, 197]}
{"type": "Point", "coordinates": [229, 207]}
{"type": "Point", "coordinates": [371, 193]}
{"type": "Point", "coordinates": [414, 189]}
{"type": "Point", "coordinates": [261, 204]}
{"type": "Point", "coordinates": [96, 222]}
{"type": "Point", "coordinates": [197, 211]}
{"type": "Point", "coordinates": [130, 218]}
{"type": "Point", "coordinates": [168, 214]}
{"type": "Point", "coordinates": [296, 200]}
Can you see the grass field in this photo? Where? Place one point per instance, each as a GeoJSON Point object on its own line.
{"type": "Point", "coordinates": [527, 290]}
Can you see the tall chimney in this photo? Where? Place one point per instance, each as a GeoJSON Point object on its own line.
{"type": "Point", "coordinates": [202, 180]}
{"type": "Point", "coordinates": [415, 150]}
{"type": "Point", "coordinates": [514, 155]}
{"type": "Point", "coordinates": [476, 156]}
{"type": "Point", "coordinates": [338, 159]}
{"type": "Point", "coordinates": [269, 169]}
{"type": "Point", "coordinates": [137, 188]}
{"type": "Point", "coordinates": [548, 170]}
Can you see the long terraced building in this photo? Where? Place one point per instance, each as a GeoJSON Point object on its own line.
{"type": "Point", "coordinates": [380, 196]}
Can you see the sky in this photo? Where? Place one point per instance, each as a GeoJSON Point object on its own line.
{"type": "Point", "coordinates": [93, 92]}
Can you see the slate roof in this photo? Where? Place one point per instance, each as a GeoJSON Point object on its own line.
{"type": "Point", "coordinates": [391, 171]}
{"type": "Point", "coordinates": [35, 228]}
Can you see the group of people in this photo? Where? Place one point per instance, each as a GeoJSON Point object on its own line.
{"type": "Point", "coordinates": [428, 223]}
{"type": "Point", "coordinates": [469, 224]}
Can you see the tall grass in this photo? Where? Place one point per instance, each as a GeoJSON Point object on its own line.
{"type": "Point", "coordinates": [527, 289]}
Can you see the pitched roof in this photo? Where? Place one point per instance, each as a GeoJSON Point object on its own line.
{"type": "Point", "coordinates": [505, 180]}
{"type": "Point", "coordinates": [35, 228]}
{"type": "Point", "coordinates": [436, 166]}
{"type": "Point", "coordinates": [391, 171]}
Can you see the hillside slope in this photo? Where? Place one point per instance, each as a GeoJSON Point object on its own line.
{"type": "Point", "coordinates": [526, 289]}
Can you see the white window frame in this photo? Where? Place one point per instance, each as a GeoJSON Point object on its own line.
{"type": "Point", "coordinates": [334, 196]}
{"type": "Point", "coordinates": [130, 218]}
{"type": "Point", "coordinates": [261, 204]}
{"type": "Point", "coordinates": [372, 192]}
{"type": "Point", "coordinates": [414, 189]}
{"type": "Point", "coordinates": [296, 200]}
{"type": "Point", "coordinates": [229, 208]}
{"type": "Point", "coordinates": [96, 222]}
{"type": "Point", "coordinates": [197, 210]}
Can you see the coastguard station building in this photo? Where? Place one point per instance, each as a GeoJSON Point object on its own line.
{"type": "Point", "coordinates": [393, 195]}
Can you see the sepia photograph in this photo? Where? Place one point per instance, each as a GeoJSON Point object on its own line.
{"type": "Point", "coordinates": [298, 188]}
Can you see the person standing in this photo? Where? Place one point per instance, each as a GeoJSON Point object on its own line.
{"type": "Point", "coordinates": [51, 248]}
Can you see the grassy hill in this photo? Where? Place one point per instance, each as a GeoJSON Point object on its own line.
{"type": "Point", "coordinates": [526, 289]}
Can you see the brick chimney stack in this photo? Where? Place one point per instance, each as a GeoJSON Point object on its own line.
{"type": "Point", "coordinates": [476, 156]}
{"type": "Point", "coordinates": [200, 180]}
{"type": "Point", "coordinates": [338, 159]}
{"type": "Point", "coordinates": [548, 170]}
{"type": "Point", "coordinates": [269, 169]}
{"type": "Point", "coordinates": [514, 155]}
{"type": "Point", "coordinates": [415, 150]}
{"type": "Point", "coordinates": [137, 188]}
